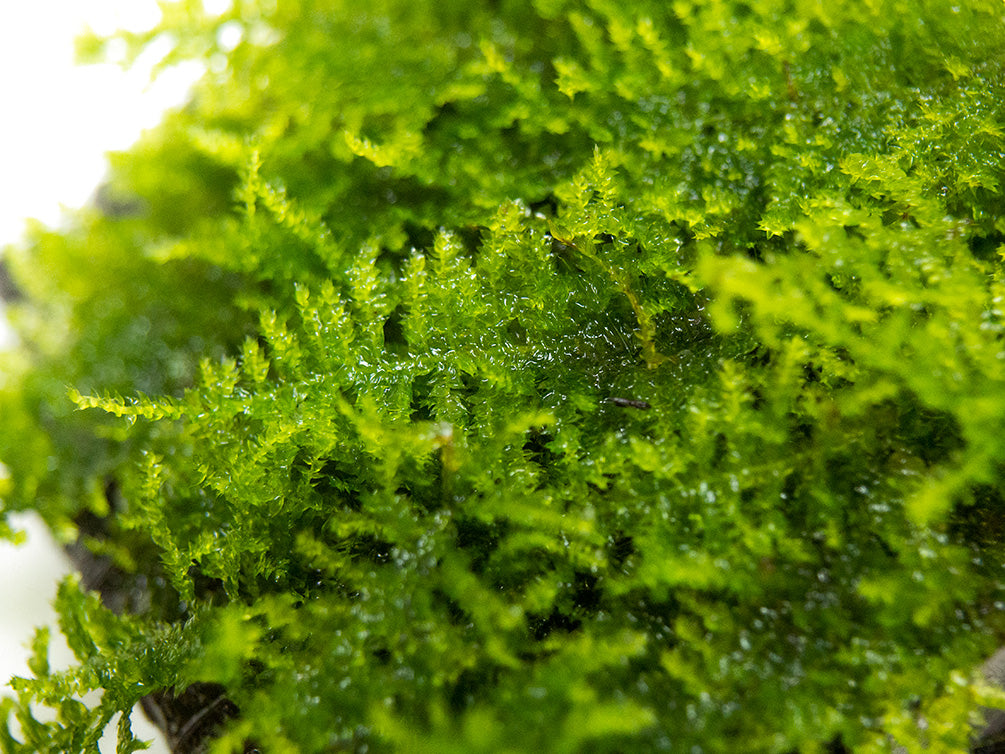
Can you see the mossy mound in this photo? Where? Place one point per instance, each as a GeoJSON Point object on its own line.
{"type": "Point", "coordinates": [534, 376]}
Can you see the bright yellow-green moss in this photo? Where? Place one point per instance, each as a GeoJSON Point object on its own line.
{"type": "Point", "coordinates": [537, 376]}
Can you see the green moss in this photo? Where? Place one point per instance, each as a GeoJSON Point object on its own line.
{"type": "Point", "coordinates": [537, 376]}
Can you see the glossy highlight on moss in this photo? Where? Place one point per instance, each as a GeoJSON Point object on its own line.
{"type": "Point", "coordinates": [545, 375]}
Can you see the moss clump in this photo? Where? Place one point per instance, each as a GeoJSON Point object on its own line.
{"type": "Point", "coordinates": [534, 376]}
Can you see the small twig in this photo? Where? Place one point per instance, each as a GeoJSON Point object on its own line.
{"type": "Point", "coordinates": [193, 722]}
{"type": "Point", "coordinates": [628, 403]}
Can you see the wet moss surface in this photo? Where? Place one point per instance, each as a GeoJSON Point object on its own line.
{"type": "Point", "coordinates": [529, 376]}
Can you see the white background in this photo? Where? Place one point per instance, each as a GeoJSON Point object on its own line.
{"type": "Point", "coordinates": [57, 121]}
